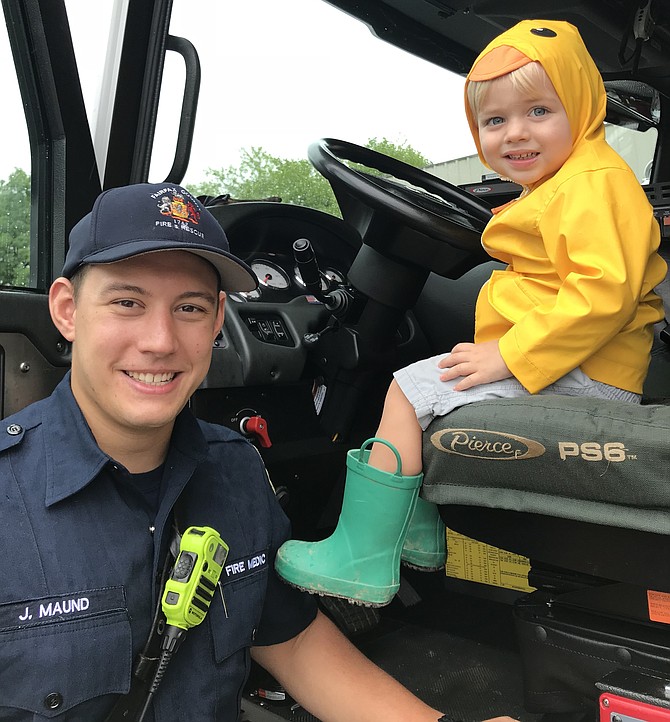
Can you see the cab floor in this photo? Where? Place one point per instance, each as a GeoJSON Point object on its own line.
{"type": "Point", "coordinates": [453, 650]}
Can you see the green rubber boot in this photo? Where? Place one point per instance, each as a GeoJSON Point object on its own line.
{"type": "Point", "coordinates": [425, 546]}
{"type": "Point", "coordinates": [360, 561]}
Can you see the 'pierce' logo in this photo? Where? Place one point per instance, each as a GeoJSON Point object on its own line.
{"type": "Point", "coordinates": [484, 444]}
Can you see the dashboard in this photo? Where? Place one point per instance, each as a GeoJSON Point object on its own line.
{"type": "Point", "coordinates": [262, 234]}
{"type": "Point", "coordinates": [263, 338]}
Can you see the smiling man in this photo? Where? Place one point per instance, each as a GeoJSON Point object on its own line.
{"type": "Point", "coordinates": [97, 479]}
{"type": "Point", "coordinates": [142, 331]}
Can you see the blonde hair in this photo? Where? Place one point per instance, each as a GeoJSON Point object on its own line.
{"type": "Point", "coordinates": [524, 79]}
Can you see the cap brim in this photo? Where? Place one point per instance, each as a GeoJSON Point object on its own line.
{"type": "Point", "coordinates": [235, 275]}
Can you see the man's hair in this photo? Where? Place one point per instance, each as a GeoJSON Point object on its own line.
{"type": "Point", "coordinates": [78, 278]}
{"type": "Point", "coordinates": [524, 79]}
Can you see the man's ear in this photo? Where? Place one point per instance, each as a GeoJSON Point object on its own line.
{"type": "Point", "coordinates": [220, 313]}
{"type": "Point", "coordinates": [62, 306]}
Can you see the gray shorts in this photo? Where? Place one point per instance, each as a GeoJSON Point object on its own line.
{"type": "Point", "coordinates": [430, 397]}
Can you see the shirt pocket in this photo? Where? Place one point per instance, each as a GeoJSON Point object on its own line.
{"type": "Point", "coordinates": [61, 663]}
{"type": "Point", "coordinates": [236, 613]}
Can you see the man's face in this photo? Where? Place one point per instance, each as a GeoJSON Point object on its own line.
{"type": "Point", "coordinates": [524, 136]}
{"type": "Point", "coordinates": [142, 330]}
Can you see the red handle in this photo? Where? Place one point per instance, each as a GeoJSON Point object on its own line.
{"type": "Point", "coordinates": [257, 426]}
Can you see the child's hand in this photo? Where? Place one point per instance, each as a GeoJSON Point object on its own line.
{"type": "Point", "coordinates": [477, 363]}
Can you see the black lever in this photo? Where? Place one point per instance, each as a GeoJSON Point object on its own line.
{"type": "Point", "coordinates": [308, 266]}
{"type": "Point", "coordinates": [337, 301]}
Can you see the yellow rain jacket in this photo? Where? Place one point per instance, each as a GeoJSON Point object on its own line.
{"type": "Point", "coordinates": [580, 245]}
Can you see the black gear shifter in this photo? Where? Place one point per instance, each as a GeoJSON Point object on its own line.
{"type": "Point", "coordinates": [308, 266]}
{"type": "Point", "coordinates": [337, 301]}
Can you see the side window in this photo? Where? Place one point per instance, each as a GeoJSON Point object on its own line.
{"type": "Point", "coordinates": [14, 178]}
{"type": "Point", "coordinates": [633, 118]}
{"type": "Point", "coordinates": [635, 147]}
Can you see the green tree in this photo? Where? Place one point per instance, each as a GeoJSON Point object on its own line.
{"type": "Point", "coordinates": [261, 175]}
{"type": "Point", "coordinates": [15, 229]}
{"type": "Point", "coordinates": [403, 152]}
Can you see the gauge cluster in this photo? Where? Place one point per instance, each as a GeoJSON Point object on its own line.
{"type": "Point", "coordinates": [264, 337]}
{"type": "Point", "coordinates": [279, 279]}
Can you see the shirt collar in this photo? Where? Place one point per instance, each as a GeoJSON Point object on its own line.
{"type": "Point", "coordinates": [73, 457]}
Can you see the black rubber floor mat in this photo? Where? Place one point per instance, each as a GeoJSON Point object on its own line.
{"type": "Point", "coordinates": [468, 680]}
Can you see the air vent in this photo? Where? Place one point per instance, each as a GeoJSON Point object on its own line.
{"type": "Point", "coordinates": [658, 194]}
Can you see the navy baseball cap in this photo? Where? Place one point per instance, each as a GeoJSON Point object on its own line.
{"type": "Point", "coordinates": [149, 217]}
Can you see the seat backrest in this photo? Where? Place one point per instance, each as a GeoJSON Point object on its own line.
{"type": "Point", "coordinates": [657, 383]}
{"type": "Point", "coordinates": [34, 357]}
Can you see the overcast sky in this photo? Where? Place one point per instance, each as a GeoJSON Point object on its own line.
{"type": "Point", "coordinates": [276, 75]}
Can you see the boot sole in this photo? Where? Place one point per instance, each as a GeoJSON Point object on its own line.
{"type": "Point", "coordinates": [359, 602]}
{"type": "Point", "coordinates": [421, 568]}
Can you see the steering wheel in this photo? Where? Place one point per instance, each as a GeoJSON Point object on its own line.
{"type": "Point", "coordinates": [429, 205]}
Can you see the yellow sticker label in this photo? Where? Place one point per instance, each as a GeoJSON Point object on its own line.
{"type": "Point", "coordinates": [475, 561]}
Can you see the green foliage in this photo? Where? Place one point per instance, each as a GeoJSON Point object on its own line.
{"type": "Point", "coordinates": [261, 175]}
{"type": "Point", "coordinates": [403, 152]}
{"type": "Point", "coordinates": [15, 229]}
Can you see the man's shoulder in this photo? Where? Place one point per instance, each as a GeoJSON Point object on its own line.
{"type": "Point", "coordinates": [233, 454]}
{"type": "Point", "coordinates": [13, 429]}
{"type": "Point", "coordinates": [214, 433]}
{"type": "Point", "coordinates": [223, 440]}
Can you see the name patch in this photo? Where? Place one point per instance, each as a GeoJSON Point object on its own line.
{"type": "Point", "coordinates": [61, 608]}
{"type": "Point", "coordinates": [244, 567]}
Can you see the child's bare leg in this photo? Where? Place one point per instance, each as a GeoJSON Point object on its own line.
{"type": "Point", "coordinates": [382, 520]}
{"type": "Point", "coordinates": [424, 546]}
{"type": "Point", "coordinates": [400, 426]}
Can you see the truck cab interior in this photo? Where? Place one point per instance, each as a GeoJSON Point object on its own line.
{"type": "Point", "coordinates": [399, 268]}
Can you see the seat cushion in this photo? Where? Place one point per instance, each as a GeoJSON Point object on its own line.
{"type": "Point", "coordinates": [598, 461]}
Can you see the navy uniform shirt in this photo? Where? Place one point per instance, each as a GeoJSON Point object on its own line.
{"type": "Point", "coordinates": [81, 553]}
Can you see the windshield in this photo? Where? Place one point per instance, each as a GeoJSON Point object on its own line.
{"type": "Point", "coordinates": [275, 78]}
{"type": "Point", "coordinates": [278, 76]}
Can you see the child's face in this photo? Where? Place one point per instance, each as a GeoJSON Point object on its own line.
{"type": "Point", "coordinates": [524, 134]}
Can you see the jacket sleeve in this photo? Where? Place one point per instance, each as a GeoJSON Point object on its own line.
{"type": "Point", "coordinates": [599, 233]}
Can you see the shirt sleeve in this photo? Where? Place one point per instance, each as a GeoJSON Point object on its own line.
{"type": "Point", "coordinates": [287, 611]}
{"type": "Point", "coordinates": [598, 233]}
